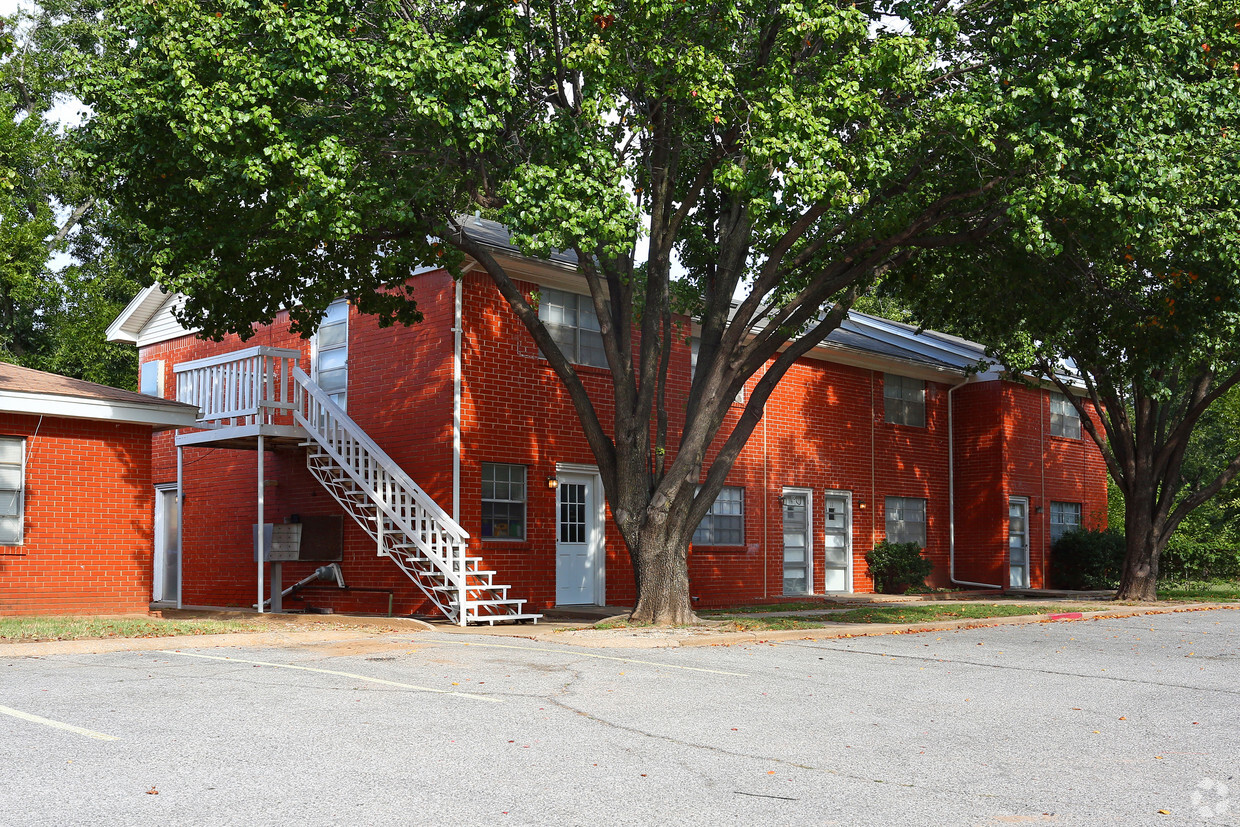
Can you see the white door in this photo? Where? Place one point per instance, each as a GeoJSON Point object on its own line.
{"type": "Point", "coordinates": [578, 541]}
{"type": "Point", "coordinates": [797, 573]}
{"type": "Point", "coordinates": [837, 541]}
{"type": "Point", "coordinates": [330, 352]}
{"type": "Point", "coordinates": [1018, 543]}
{"type": "Point", "coordinates": [166, 572]}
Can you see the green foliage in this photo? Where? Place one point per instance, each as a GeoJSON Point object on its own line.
{"type": "Point", "coordinates": [898, 568]}
{"type": "Point", "coordinates": [1085, 559]}
{"type": "Point", "coordinates": [59, 284]}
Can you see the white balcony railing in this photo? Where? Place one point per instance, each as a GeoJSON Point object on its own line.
{"type": "Point", "coordinates": [254, 386]}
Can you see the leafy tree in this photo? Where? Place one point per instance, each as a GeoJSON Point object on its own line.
{"type": "Point", "coordinates": [1123, 277]}
{"type": "Point", "coordinates": [274, 155]}
{"type": "Point", "coordinates": [59, 285]}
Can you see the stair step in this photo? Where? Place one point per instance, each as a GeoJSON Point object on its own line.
{"type": "Point", "coordinates": [505, 601]}
{"type": "Point", "coordinates": [491, 619]}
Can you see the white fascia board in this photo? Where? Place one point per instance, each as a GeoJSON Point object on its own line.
{"type": "Point", "coordinates": [160, 416]}
{"type": "Point", "coordinates": [128, 325]}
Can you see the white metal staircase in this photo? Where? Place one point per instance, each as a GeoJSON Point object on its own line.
{"type": "Point", "coordinates": [406, 524]}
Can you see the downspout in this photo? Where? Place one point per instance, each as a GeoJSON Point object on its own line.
{"type": "Point", "coordinates": [456, 399]}
{"type": "Point", "coordinates": [951, 494]}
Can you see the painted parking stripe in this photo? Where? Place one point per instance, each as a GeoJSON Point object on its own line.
{"type": "Point", "coordinates": [600, 657]}
{"type": "Point", "coordinates": [340, 674]}
{"type": "Point", "coordinates": [26, 716]}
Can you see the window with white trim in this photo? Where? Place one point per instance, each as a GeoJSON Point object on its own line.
{"type": "Point", "coordinates": [695, 344]}
{"type": "Point", "coordinates": [1065, 421]}
{"type": "Point", "coordinates": [1064, 518]}
{"type": "Point", "coordinates": [503, 501]}
{"type": "Point", "coordinates": [904, 400]}
{"type": "Point", "coordinates": [151, 379]}
{"type": "Point", "coordinates": [12, 490]}
{"type": "Point", "coordinates": [572, 323]}
{"type": "Point", "coordinates": [906, 520]}
{"type": "Point", "coordinates": [724, 523]}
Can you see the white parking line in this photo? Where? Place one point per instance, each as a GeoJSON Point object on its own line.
{"type": "Point", "coordinates": [340, 674]}
{"type": "Point", "coordinates": [26, 716]}
{"type": "Point", "coordinates": [600, 657]}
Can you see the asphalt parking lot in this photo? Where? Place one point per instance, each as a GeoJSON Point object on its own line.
{"type": "Point", "coordinates": [1089, 723]}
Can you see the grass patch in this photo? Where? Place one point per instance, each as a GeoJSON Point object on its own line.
{"type": "Point", "coordinates": [798, 606]}
{"type": "Point", "coordinates": [1199, 591]}
{"type": "Point", "coordinates": [899, 614]}
{"type": "Point", "coordinates": [29, 629]}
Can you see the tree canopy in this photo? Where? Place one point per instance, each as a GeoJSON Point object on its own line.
{"type": "Point", "coordinates": [269, 155]}
{"type": "Point", "coordinates": [59, 285]}
{"type": "Point", "coordinates": [1123, 275]}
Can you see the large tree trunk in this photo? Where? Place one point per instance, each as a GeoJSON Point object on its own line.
{"type": "Point", "coordinates": [1143, 548]}
{"type": "Point", "coordinates": [660, 564]}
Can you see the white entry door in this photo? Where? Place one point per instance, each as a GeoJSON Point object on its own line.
{"type": "Point", "coordinates": [578, 540]}
{"type": "Point", "coordinates": [837, 541]}
{"type": "Point", "coordinates": [166, 574]}
{"type": "Point", "coordinates": [1018, 543]}
{"type": "Point", "coordinates": [798, 572]}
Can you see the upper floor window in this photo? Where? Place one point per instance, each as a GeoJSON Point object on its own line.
{"type": "Point", "coordinates": [12, 490]}
{"type": "Point", "coordinates": [695, 345]}
{"type": "Point", "coordinates": [503, 501]}
{"type": "Point", "coordinates": [1065, 421]}
{"type": "Point", "coordinates": [572, 323]}
{"type": "Point", "coordinates": [1064, 518]}
{"type": "Point", "coordinates": [151, 377]}
{"type": "Point", "coordinates": [906, 520]}
{"type": "Point", "coordinates": [331, 352]}
{"type": "Point", "coordinates": [904, 400]}
{"type": "Point", "coordinates": [724, 524]}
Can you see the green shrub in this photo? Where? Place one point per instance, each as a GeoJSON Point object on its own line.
{"type": "Point", "coordinates": [898, 568]}
{"type": "Point", "coordinates": [1187, 559]}
{"type": "Point", "coordinates": [1084, 559]}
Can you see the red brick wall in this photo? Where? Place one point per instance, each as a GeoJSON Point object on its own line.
{"type": "Point", "coordinates": [1046, 469]}
{"type": "Point", "coordinates": [89, 516]}
{"type": "Point", "coordinates": [824, 429]}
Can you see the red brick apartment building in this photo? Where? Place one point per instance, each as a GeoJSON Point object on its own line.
{"type": "Point", "coordinates": [441, 465]}
{"type": "Point", "coordinates": [77, 501]}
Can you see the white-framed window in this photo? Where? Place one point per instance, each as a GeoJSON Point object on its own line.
{"type": "Point", "coordinates": [572, 323]}
{"type": "Point", "coordinates": [503, 501]}
{"type": "Point", "coordinates": [906, 520]}
{"type": "Point", "coordinates": [331, 352]}
{"type": "Point", "coordinates": [1065, 421]}
{"type": "Point", "coordinates": [904, 400]}
{"type": "Point", "coordinates": [724, 524]}
{"type": "Point", "coordinates": [695, 344]}
{"type": "Point", "coordinates": [1064, 518]}
{"type": "Point", "coordinates": [151, 379]}
{"type": "Point", "coordinates": [12, 490]}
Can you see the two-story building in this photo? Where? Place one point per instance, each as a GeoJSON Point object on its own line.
{"type": "Point", "coordinates": [442, 464]}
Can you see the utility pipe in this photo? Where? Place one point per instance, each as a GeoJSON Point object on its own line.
{"type": "Point", "coordinates": [951, 494]}
{"type": "Point", "coordinates": [328, 572]}
{"type": "Point", "coordinates": [180, 517]}
{"type": "Point", "coordinates": [262, 545]}
{"type": "Point", "coordinates": [456, 401]}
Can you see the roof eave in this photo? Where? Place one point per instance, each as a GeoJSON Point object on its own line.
{"type": "Point", "coordinates": [159, 414]}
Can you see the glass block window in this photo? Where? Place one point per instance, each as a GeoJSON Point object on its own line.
{"type": "Point", "coordinates": [1064, 518]}
{"type": "Point", "coordinates": [906, 520]}
{"type": "Point", "coordinates": [1065, 421]}
{"type": "Point", "coordinates": [331, 365]}
{"type": "Point", "coordinates": [12, 490]}
{"type": "Point", "coordinates": [151, 378]}
{"type": "Point", "coordinates": [503, 501]}
{"type": "Point", "coordinates": [724, 524]}
{"type": "Point", "coordinates": [904, 400]}
{"type": "Point", "coordinates": [572, 323]}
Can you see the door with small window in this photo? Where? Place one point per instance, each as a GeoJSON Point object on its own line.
{"type": "Point", "coordinates": [796, 523]}
{"type": "Point", "coordinates": [1018, 543]}
{"type": "Point", "coordinates": [578, 540]}
{"type": "Point", "coordinates": [837, 541]}
{"type": "Point", "coordinates": [330, 352]}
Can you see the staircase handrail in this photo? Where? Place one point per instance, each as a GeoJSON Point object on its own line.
{"type": "Point", "coordinates": [356, 432]}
